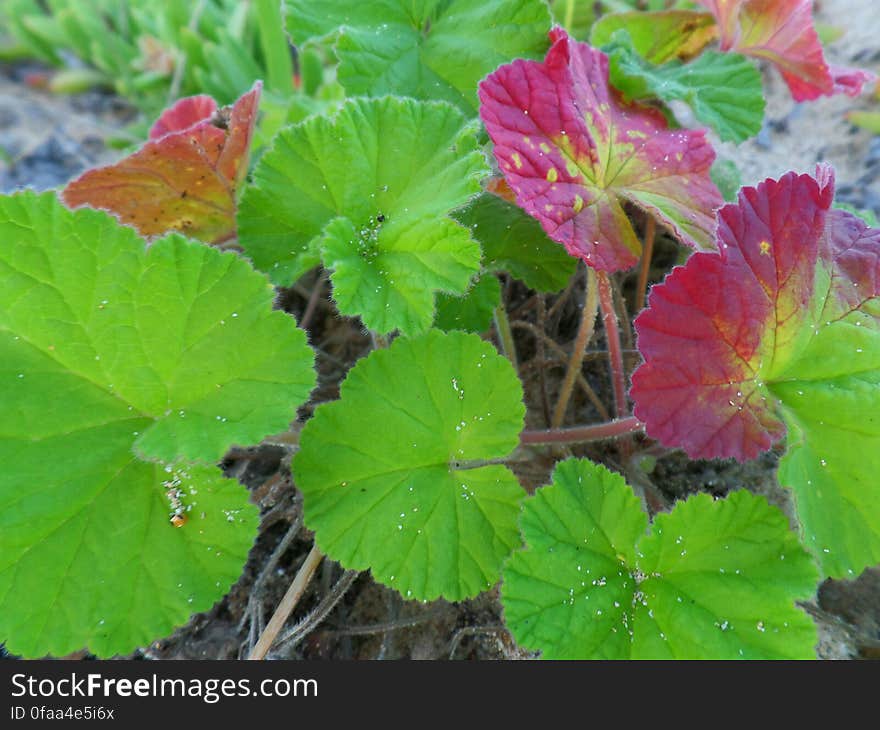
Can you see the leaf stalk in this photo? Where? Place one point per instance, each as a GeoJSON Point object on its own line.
{"type": "Point", "coordinates": [584, 335]}
{"type": "Point", "coordinates": [583, 434]}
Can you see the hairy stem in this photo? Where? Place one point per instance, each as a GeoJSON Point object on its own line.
{"type": "Point", "coordinates": [612, 334]}
{"type": "Point", "coordinates": [584, 335]}
{"type": "Point", "coordinates": [647, 251]}
{"type": "Point", "coordinates": [319, 612]}
{"type": "Point", "coordinates": [583, 434]}
{"type": "Point", "coordinates": [288, 603]}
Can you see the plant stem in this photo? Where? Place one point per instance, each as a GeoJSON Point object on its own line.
{"type": "Point", "coordinates": [647, 251]}
{"type": "Point", "coordinates": [541, 312]}
{"type": "Point", "coordinates": [585, 386]}
{"type": "Point", "coordinates": [312, 302]}
{"type": "Point", "coordinates": [319, 612]}
{"type": "Point", "coordinates": [273, 41]}
{"type": "Point", "coordinates": [583, 434]}
{"type": "Point", "coordinates": [584, 335]}
{"type": "Point", "coordinates": [180, 61]}
{"type": "Point", "coordinates": [288, 603]}
{"type": "Point", "coordinates": [505, 335]}
{"type": "Point", "coordinates": [569, 14]}
{"type": "Point", "coordinates": [612, 334]}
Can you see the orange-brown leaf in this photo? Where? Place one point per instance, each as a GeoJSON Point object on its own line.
{"type": "Point", "coordinates": [185, 178]}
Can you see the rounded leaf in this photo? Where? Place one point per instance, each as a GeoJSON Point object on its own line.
{"type": "Point", "coordinates": [712, 579]}
{"type": "Point", "coordinates": [368, 191]}
{"type": "Point", "coordinates": [574, 153]}
{"type": "Point", "coordinates": [121, 366]}
{"type": "Point", "coordinates": [427, 50]}
{"type": "Point", "coordinates": [393, 474]}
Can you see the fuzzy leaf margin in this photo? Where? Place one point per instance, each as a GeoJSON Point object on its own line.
{"type": "Point", "coordinates": [368, 191]}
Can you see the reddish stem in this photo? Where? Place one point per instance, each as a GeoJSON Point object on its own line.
{"type": "Point", "coordinates": [647, 251]}
{"type": "Point", "coordinates": [612, 334]}
{"type": "Point", "coordinates": [582, 434]}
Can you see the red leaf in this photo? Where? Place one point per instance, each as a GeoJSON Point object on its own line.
{"type": "Point", "coordinates": [183, 115]}
{"type": "Point", "coordinates": [574, 153]}
{"type": "Point", "coordinates": [186, 178]}
{"type": "Point", "coordinates": [782, 32]}
{"type": "Point", "coordinates": [721, 325]}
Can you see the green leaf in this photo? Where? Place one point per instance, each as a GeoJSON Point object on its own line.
{"type": "Point", "coordinates": [471, 312]}
{"type": "Point", "coordinates": [658, 37]}
{"type": "Point", "coordinates": [726, 176]}
{"type": "Point", "coordinates": [515, 243]}
{"type": "Point", "coordinates": [406, 492]}
{"type": "Point", "coordinates": [121, 366]}
{"type": "Point", "coordinates": [723, 89]}
{"type": "Point", "coordinates": [806, 279]}
{"type": "Point", "coordinates": [369, 191]}
{"type": "Point", "coordinates": [831, 407]}
{"type": "Point", "coordinates": [711, 580]}
{"type": "Point", "coordinates": [431, 49]}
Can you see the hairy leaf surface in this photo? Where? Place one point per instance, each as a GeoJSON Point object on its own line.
{"type": "Point", "coordinates": [431, 49]}
{"type": "Point", "coordinates": [723, 89]}
{"type": "Point", "coordinates": [514, 242]}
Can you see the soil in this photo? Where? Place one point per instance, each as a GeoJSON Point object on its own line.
{"type": "Point", "coordinates": [46, 140]}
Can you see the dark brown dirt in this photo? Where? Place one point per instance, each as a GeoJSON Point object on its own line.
{"type": "Point", "coordinates": [46, 140]}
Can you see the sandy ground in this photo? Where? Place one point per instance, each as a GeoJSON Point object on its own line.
{"type": "Point", "coordinates": [797, 136]}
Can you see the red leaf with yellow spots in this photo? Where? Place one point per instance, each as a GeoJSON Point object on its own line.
{"type": "Point", "coordinates": [186, 178]}
{"type": "Point", "coordinates": [721, 329]}
{"type": "Point", "coordinates": [782, 32]}
{"type": "Point", "coordinates": [574, 153]}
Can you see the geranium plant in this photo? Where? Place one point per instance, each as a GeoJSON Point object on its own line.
{"type": "Point", "coordinates": [134, 357]}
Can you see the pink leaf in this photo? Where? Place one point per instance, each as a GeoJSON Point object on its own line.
{"type": "Point", "coordinates": [574, 153]}
{"type": "Point", "coordinates": [782, 32]}
{"type": "Point", "coordinates": [724, 324]}
{"type": "Point", "coordinates": [186, 178]}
